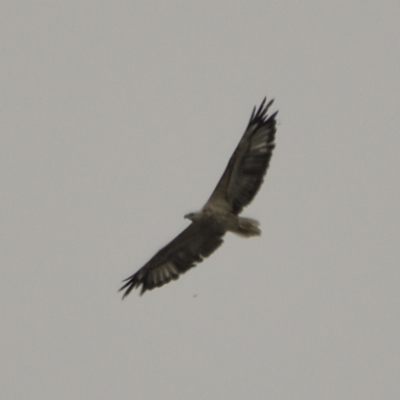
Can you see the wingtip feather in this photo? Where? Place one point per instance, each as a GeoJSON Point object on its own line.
{"type": "Point", "coordinates": [260, 113]}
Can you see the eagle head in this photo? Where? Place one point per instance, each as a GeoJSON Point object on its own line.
{"type": "Point", "coordinates": [193, 216]}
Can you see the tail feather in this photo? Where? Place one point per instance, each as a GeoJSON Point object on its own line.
{"type": "Point", "coordinates": [248, 227]}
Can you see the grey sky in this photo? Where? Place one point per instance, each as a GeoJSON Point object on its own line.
{"type": "Point", "coordinates": [118, 118]}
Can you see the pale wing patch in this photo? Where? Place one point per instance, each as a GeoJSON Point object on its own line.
{"type": "Point", "coordinates": [259, 142]}
{"type": "Point", "coordinates": [163, 274]}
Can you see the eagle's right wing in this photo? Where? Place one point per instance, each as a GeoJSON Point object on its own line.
{"type": "Point", "coordinates": [197, 241]}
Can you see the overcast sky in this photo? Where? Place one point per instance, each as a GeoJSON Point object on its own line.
{"type": "Point", "coordinates": [118, 118]}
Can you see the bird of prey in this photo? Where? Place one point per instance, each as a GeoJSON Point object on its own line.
{"type": "Point", "coordinates": [237, 187]}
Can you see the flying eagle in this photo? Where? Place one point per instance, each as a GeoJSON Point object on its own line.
{"type": "Point", "coordinates": [237, 187]}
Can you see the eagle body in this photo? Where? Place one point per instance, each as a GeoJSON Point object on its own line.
{"type": "Point", "coordinates": [228, 221]}
{"type": "Point", "coordinates": [236, 188]}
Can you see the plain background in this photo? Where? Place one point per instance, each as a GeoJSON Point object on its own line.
{"type": "Point", "coordinates": [117, 118]}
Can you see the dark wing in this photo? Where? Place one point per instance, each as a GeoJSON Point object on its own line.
{"type": "Point", "coordinates": [245, 171]}
{"type": "Point", "coordinates": [197, 241]}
